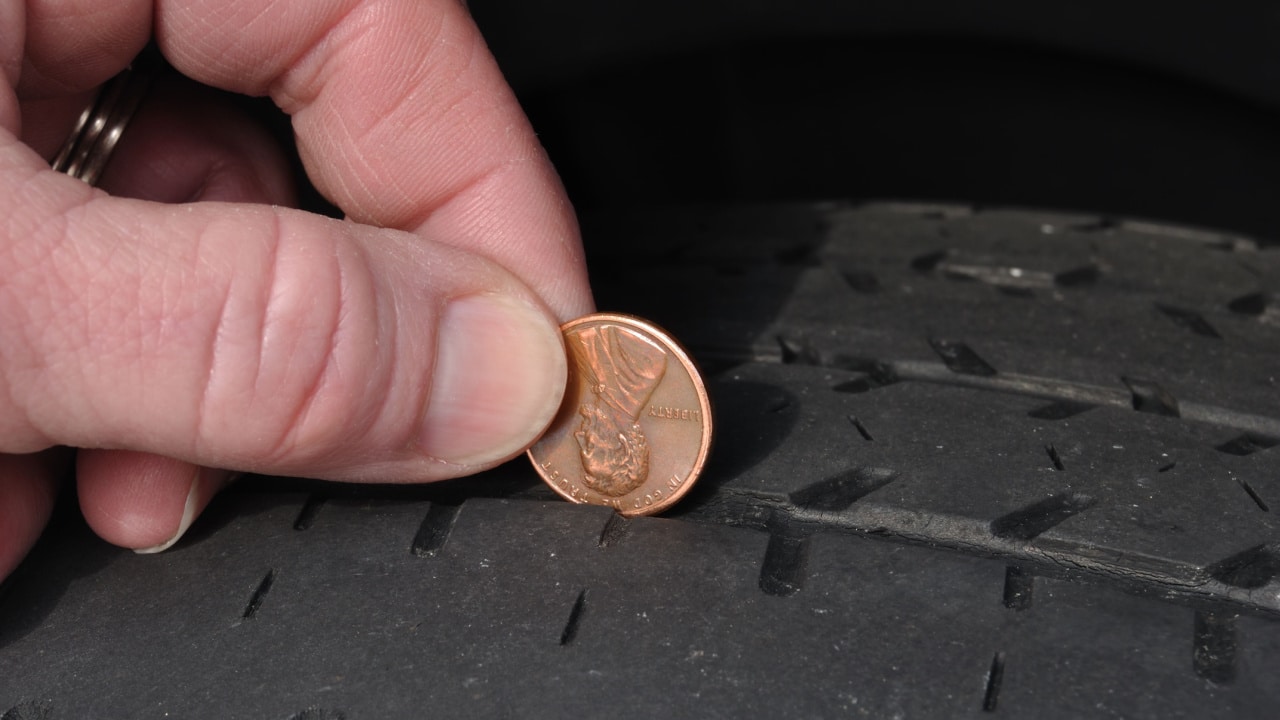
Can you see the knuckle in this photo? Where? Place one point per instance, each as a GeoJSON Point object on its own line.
{"type": "Point", "coordinates": [301, 388]}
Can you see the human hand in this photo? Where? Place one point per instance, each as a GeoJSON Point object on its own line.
{"type": "Point", "coordinates": [415, 340]}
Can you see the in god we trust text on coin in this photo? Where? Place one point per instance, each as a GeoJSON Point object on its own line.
{"type": "Point", "coordinates": [635, 427]}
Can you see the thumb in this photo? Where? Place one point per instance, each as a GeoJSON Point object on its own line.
{"type": "Point", "coordinates": [259, 338]}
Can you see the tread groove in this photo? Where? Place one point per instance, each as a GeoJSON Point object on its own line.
{"type": "Point", "coordinates": [1214, 650]}
{"type": "Point", "coordinates": [862, 429]}
{"type": "Point", "coordinates": [307, 515]}
{"type": "Point", "coordinates": [1147, 400]}
{"type": "Point", "coordinates": [1150, 397]}
{"type": "Point", "coordinates": [571, 625]}
{"type": "Point", "coordinates": [1175, 581]}
{"type": "Point", "coordinates": [1247, 444]}
{"type": "Point", "coordinates": [928, 262]}
{"type": "Point", "coordinates": [1253, 495]}
{"type": "Point", "coordinates": [960, 358]}
{"type": "Point", "coordinates": [29, 710]}
{"type": "Point", "coordinates": [1019, 586]}
{"type": "Point", "coordinates": [838, 492]}
{"type": "Point", "coordinates": [786, 561]}
{"type": "Point", "coordinates": [995, 678]}
{"type": "Point", "coordinates": [1190, 320]}
{"type": "Point", "coordinates": [318, 713]}
{"type": "Point", "coordinates": [861, 282]}
{"type": "Point", "coordinates": [434, 531]}
{"type": "Point", "coordinates": [795, 352]}
{"type": "Point", "coordinates": [777, 405]}
{"type": "Point", "coordinates": [616, 528]}
{"type": "Point", "coordinates": [1251, 304]}
{"type": "Point", "coordinates": [1078, 277]}
{"type": "Point", "coordinates": [1016, 291]}
{"type": "Point", "coordinates": [259, 594]}
{"type": "Point", "coordinates": [1010, 280]}
{"type": "Point", "coordinates": [875, 375]}
{"type": "Point", "coordinates": [1249, 569]}
{"type": "Point", "coordinates": [1036, 519]}
{"type": "Point", "coordinates": [1055, 458]}
{"type": "Point", "coordinates": [1060, 410]}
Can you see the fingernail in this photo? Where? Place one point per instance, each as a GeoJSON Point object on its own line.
{"type": "Point", "coordinates": [499, 377]}
{"type": "Point", "coordinates": [188, 516]}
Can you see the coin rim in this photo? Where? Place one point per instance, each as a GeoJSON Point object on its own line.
{"type": "Point", "coordinates": [639, 324]}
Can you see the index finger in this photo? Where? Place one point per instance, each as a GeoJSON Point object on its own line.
{"type": "Point", "coordinates": [402, 117]}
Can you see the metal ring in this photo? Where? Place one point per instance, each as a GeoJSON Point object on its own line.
{"type": "Point", "coordinates": [87, 149]}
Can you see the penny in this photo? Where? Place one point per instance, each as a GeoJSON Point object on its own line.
{"type": "Point", "coordinates": [635, 427]}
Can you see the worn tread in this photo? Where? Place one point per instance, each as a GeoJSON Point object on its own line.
{"type": "Point", "coordinates": [968, 462]}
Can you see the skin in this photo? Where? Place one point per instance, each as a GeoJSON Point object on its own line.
{"type": "Point", "coordinates": [180, 321]}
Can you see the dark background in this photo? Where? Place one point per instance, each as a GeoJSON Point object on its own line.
{"type": "Point", "coordinates": [1134, 109]}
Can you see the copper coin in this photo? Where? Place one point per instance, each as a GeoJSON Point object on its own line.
{"type": "Point", "coordinates": [635, 426]}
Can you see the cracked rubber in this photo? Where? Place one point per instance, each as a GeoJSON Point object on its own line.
{"type": "Point", "coordinates": [967, 464]}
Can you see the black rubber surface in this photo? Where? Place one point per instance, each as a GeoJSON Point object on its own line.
{"type": "Point", "coordinates": [968, 464]}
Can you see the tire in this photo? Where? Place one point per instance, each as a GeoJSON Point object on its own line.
{"type": "Point", "coordinates": [968, 462]}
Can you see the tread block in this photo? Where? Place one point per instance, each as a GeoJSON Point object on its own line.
{"type": "Point", "coordinates": [1128, 653]}
{"type": "Point", "coordinates": [1156, 492]}
{"type": "Point", "coordinates": [877, 532]}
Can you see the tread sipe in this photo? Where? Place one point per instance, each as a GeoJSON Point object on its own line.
{"type": "Point", "coordinates": [968, 463]}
